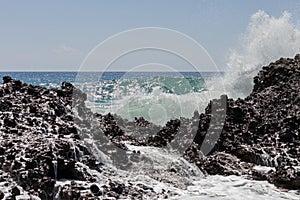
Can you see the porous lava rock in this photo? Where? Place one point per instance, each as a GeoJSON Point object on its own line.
{"type": "Point", "coordinates": [46, 138]}
{"type": "Point", "coordinates": [261, 129]}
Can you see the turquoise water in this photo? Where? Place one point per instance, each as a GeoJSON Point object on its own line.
{"type": "Point", "coordinates": [41, 78]}
{"type": "Point", "coordinates": [156, 96]}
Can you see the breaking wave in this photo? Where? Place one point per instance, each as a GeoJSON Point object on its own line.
{"type": "Point", "coordinates": [267, 38]}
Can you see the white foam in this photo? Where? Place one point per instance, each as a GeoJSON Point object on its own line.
{"type": "Point", "coordinates": [234, 188]}
{"type": "Point", "coordinates": [263, 169]}
{"type": "Point", "coordinates": [266, 40]}
{"type": "Point", "coordinates": [159, 107]}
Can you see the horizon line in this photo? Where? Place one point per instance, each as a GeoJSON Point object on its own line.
{"type": "Point", "coordinates": [108, 71]}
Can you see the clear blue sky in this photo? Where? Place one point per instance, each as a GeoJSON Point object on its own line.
{"type": "Point", "coordinates": [57, 35]}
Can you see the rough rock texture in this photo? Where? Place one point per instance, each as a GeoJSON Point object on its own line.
{"type": "Point", "coordinates": [41, 146]}
{"type": "Point", "coordinates": [45, 146]}
{"type": "Point", "coordinates": [262, 129]}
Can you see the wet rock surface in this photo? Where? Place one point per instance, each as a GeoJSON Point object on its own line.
{"type": "Point", "coordinates": [47, 136]}
{"type": "Point", "coordinates": [42, 145]}
{"type": "Point", "coordinates": [262, 129]}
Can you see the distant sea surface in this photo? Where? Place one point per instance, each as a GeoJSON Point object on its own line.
{"type": "Point", "coordinates": [156, 96]}
{"type": "Point", "coordinates": [48, 78]}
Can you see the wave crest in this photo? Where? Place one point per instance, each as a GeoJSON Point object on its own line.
{"type": "Point", "coordinates": [267, 38]}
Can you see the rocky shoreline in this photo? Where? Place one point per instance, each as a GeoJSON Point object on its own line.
{"type": "Point", "coordinates": [45, 139]}
{"type": "Point", "coordinates": [262, 129]}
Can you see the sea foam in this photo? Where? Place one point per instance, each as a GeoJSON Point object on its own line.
{"type": "Point", "coordinates": [267, 38]}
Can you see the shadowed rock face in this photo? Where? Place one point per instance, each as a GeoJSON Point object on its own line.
{"type": "Point", "coordinates": [41, 137]}
{"type": "Point", "coordinates": [40, 144]}
{"type": "Point", "coordinates": [38, 139]}
{"type": "Point", "coordinates": [262, 129]}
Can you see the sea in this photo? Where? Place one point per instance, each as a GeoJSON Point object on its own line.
{"type": "Point", "coordinates": [159, 97]}
{"type": "Point", "coordinates": [156, 96]}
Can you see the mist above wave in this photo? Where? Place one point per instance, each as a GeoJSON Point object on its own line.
{"type": "Point", "coordinates": [160, 99]}
{"type": "Point", "coordinates": [157, 99]}
{"type": "Point", "coordinates": [267, 38]}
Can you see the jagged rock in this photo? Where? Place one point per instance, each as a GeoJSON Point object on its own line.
{"type": "Point", "coordinates": [165, 135]}
{"type": "Point", "coordinates": [95, 190]}
{"type": "Point", "coordinates": [29, 143]}
{"type": "Point", "coordinates": [41, 131]}
{"type": "Point", "coordinates": [262, 129]}
{"type": "Point", "coordinates": [9, 122]}
{"type": "Point", "coordinates": [1, 195]}
{"type": "Point", "coordinates": [224, 164]}
{"type": "Point", "coordinates": [141, 122]}
{"type": "Point", "coordinates": [5, 105]}
{"type": "Point", "coordinates": [287, 177]}
{"type": "Point", "coordinates": [7, 79]}
{"type": "Point", "coordinates": [15, 191]}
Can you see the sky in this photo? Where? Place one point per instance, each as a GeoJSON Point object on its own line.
{"type": "Point", "coordinates": [59, 35]}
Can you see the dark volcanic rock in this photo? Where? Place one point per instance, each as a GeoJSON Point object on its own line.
{"type": "Point", "coordinates": [262, 129]}
{"type": "Point", "coordinates": [7, 79]}
{"type": "Point", "coordinates": [43, 132]}
{"type": "Point", "coordinates": [225, 164]}
{"type": "Point", "coordinates": [165, 135]}
{"type": "Point", "coordinates": [287, 177]}
{"type": "Point", "coordinates": [95, 190]}
{"type": "Point", "coordinates": [38, 146]}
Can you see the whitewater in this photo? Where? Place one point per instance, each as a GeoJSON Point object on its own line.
{"type": "Point", "coordinates": [159, 99]}
{"type": "Point", "coordinates": [170, 96]}
{"type": "Point", "coordinates": [267, 38]}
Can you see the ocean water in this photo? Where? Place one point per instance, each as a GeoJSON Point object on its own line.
{"type": "Point", "coordinates": [164, 91]}
{"type": "Point", "coordinates": [162, 96]}
{"type": "Point", "coordinates": [156, 96]}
